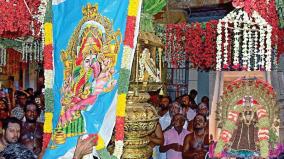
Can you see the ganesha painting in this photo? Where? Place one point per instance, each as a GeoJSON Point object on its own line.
{"type": "Point", "coordinates": [89, 62]}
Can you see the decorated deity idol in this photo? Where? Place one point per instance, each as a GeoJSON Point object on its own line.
{"type": "Point", "coordinates": [245, 135]}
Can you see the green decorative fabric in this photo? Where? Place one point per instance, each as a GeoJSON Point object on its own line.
{"type": "Point", "coordinates": [280, 10]}
{"type": "Point", "coordinates": [146, 23]}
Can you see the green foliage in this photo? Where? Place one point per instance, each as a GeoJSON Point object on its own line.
{"type": "Point", "coordinates": [49, 100]}
{"type": "Point", "coordinates": [123, 81]}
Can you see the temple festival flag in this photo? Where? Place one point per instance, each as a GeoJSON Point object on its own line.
{"type": "Point", "coordinates": [93, 43]}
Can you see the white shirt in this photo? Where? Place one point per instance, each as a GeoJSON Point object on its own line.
{"type": "Point", "coordinates": [190, 114]}
{"type": "Point", "coordinates": [165, 120]}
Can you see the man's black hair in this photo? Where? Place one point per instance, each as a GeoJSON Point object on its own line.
{"type": "Point", "coordinates": [193, 91]}
{"type": "Point", "coordinates": [10, 120]}
{"type": "Point", "coordinates": [204, 97]}
{"type": "Point", "coordinates": [32, 103]}
{"type": "Point", "coordinates": [20, 93]}
{"type": "Point", "coordinates": [205, 120]}
{"type": "Point", "coordinates": [169, 98]}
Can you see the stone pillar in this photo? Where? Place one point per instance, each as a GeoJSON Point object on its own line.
{"type": "Point", "coordinates": [212, 78]}
{"type": "Point", "coordinates": [217, 89]}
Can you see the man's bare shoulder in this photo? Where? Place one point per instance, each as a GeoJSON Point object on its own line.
{"type": "Point", "coordinates": [189, 136]}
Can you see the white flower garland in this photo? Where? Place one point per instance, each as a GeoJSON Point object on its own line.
{"type": "Point", "coordinates": [118, 149]}
{"type": "Point", "coordinates": [226, 43]}
{"type": "Point", "coordinates": [255, 51]}
{"type": "Point", "coordinates": [41, 14]}
{"type": "Point", "coordinates": [32, 51]}
{"type": "Point", "coordinates": [219, 46]}
{"type": "Point", "coordinates": [250, 48]}
{"type": "Point", "coordinates": [3, 57]}
{"type": "Point", "coordinates": [155, 77]}
{"type": "Point", "coordinates": [245, 40]}
{"type": "Point", "coordinates": [143, 66]}
{"type": "Point", "coordinates": [268, 49]}
{"type": "Point", "coordinates": [236, 43]}
{"type": "Point", "coordinates": [261, 46]}
{"type": "Point", "coordinates": [244, 46]}
{"type": "Point", "coordinates": [126, 57]}
{"type": "Point", "coordinates": [49, 76]}
{"type": "Point", "coordinates": [249, 45]}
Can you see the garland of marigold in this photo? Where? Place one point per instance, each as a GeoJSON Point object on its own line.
{"type": "Point", "coordinates": [48, 74]}
{"type": "Point", "coordinates": [131, 33]}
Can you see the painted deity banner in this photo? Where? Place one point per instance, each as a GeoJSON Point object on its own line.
{"type": "Point", "coordinates": [91, 47]}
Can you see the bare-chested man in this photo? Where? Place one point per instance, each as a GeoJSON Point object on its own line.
{"type": "Point", "coordinates": [196, 144]}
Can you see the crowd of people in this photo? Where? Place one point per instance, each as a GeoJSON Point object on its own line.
{"type": "Point", "coordinates": [183, 128]}
{"type": "Point", "coordinates": [21, 122]}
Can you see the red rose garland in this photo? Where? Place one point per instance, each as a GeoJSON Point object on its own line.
{"type": "Point", "coordinates": [175, 43]}
{"type": "Point", "coordinates": [15, 18]}
{"type": "Point", "coordinates": [280, 42]}
{"type": "Point", "coordinates": [210, 44]}
{"type": "Point", "coordinates": [198, 44]}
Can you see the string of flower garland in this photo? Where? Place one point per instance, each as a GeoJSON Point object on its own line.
{"type": "Point", "coordinates": [49, 76]}
{"type": "Point", "coordinates": [268, 11]}
{"type": "Point", "coordinates": [131, 34]}
{"type": "Point", "coordinates": [32, 51]}
{"type": "Point", "coordinates": [3, 56]}
{"type": "Point", "coordinates": [244, 26]}
{"type": "Point", "coordinates": [176, 44]}
{"type": "Point", "coordinates": [280, 43]}
{"type": "Point", "coordinates": [196, 41]}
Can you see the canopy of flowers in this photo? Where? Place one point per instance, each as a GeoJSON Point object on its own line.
{"type": "Point", "coordinates": [195, 43]}
{"type": "Point", "coordinates": [244, 42]}
{"type": "Point", "coordinates": [21, 18]}
{"type": "Point", "coordinates": [248, 38]}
